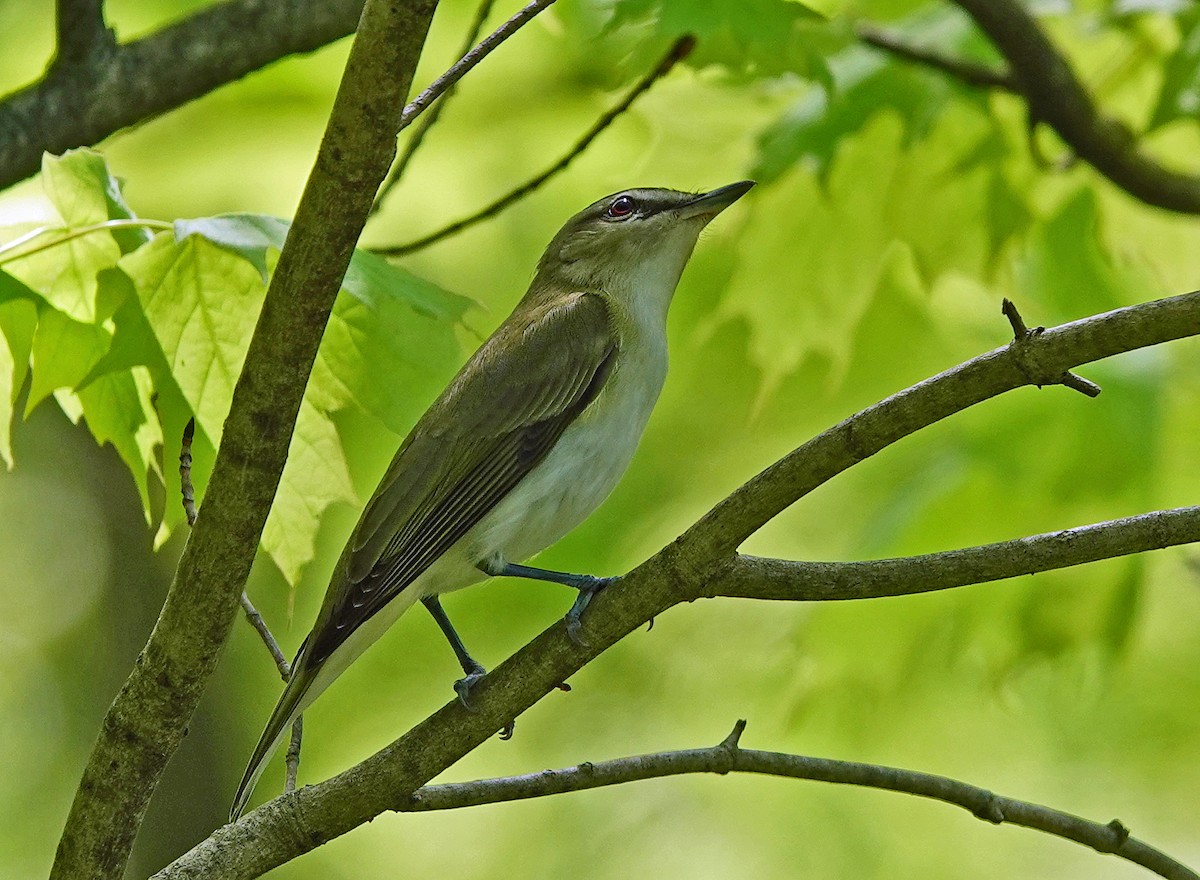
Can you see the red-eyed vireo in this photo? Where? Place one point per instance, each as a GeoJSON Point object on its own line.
{"type": "Point", "coordinates": [529, 438]}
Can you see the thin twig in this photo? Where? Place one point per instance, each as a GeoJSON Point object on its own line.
{"type": "Point", "coordinates": [187, 490]}
{"type": "Point", "coordinates": [1021, 337]}
{"type": "Point", "coordinates": [728, 757]}
{"type": "Point", "coordinates": [292, 761]}
{"type": "Point", "coordinates": [252, 614]}
{"type": "Point", "coordinates": [979, 76]}
{"type": "Point", "coordinates": [459, 69]}
{"type": "Point", "coordinates": [680, 50]}
{"type": "Point", "coordinates": [427, 121]}
{"type": "Point", "coordinates": [260, 627]}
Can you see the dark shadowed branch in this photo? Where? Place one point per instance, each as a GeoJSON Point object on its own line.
{"type": "Point", "coordinates": [978, 76]}
{"type": "Point", "coordinates": [729, 757]}
{"type": "Point", "coordinates": [96, 86]}
{"type": "Point", "coordinates": [704, 562]}
{"type": "Point", "coordinates": [680, 50]}
{"type": "Point", "coordinates": [1057, 98]}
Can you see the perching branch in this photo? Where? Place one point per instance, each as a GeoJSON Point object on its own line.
{"type": "Point", "coordinates": [147, 720]}
{"type": "Point", "coordinates": [680, 50]}
{"type": "Point", "coordinates": [699, 563]}
{"type": "Point", "coordinates": [728, 757]}
{"type": "Point", "coordinates": [95, 87]}
{"type": "Point", "coordinates": [1057, 98]}
{"type": "Point", "coordinates": [979, 76]}
{"type": "Point", "coordinates": [429, 119]}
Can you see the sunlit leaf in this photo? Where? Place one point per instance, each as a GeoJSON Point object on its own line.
{"type": "Point", "coordinates": [1179, 97]}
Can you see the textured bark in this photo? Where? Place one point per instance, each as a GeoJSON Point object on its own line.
{"type": "Point", "coordinates": [148, 718]}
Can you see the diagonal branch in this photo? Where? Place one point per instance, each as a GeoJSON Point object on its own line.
{"type": "Point", "coordinates": [147, 720]}
{"type": "Point", "coordinates": [979, 76]}
{"type": "Point", "coordinates": [1057, 98]}
{"type": "Point", "coordinates": [88, 95]}
{"type": "Point", "coordinates": [430, 119]}
{"type": "Point", "coordinates": [295, 823]}
{"type": "Point", "coordinates": [729, 757]}
{"type": "Point", "coordinates": [1041, 359]}
{"type": "Point", "coordinates": [678, 51]}
{"type": "Point", "coordinates": [752, 577]}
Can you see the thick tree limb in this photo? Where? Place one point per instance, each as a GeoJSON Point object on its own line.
{"type": "Point", "coordinates": [147, 719]}
{"type": "Point", "coordinates": [296, 823]}
{"type": "Point", "coordinates": [729, 757]}
{"type": "Point", "coordinates": [1057, 98]}
{"type": "Point", "coordinates": [753, 577]}
{"type": "Point", "coordinates": [95, 87]}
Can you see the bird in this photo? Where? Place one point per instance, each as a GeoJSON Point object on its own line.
{"type": "Point", "coordinates": [526, 441]}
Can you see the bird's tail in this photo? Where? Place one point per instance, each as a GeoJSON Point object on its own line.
{"type": "Point", "coordinates": [291, 703]}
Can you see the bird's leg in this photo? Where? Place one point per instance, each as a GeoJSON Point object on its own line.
{"type": "Point", "coordinates": [474, 671]}
{"type": "Point", "coordinates": [587, 585]}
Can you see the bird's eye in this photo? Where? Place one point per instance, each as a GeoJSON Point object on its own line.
{"type": "Point", "coordinates": [621, 207]}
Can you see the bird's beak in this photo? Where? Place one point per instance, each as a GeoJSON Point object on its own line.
{"type": "Point", "coordinates": [710, 204]}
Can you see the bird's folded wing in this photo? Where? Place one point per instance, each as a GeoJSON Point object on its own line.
{"type": "Point", "coordinates": [491, 427]}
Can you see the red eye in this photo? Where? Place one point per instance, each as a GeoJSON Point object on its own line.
{"type": "Point", "coordinates": [621, 207]}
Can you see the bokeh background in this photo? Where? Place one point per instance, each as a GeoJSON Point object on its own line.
{"type": "Point", "coordinates": [874, 254]}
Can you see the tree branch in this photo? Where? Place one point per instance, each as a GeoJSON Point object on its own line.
{"type": "Point", "coordinates": [86, 94]}
{"type": "Point", "coordinates": [752, 577]}
{"type": "Point", "coordinates": [81, 31]}
{"type": "Point", "coordinates": [1041, 359]}
{"type": "Point", "coordinates": [680, 50]}
{"type": "Point", "coordinates": [729, 757]}
{"type": "Point", "coordinates": [1057, 98]}
{"type": "Point", "coordinates": [295, 823]}
{"type": "Point", "coordinates": [147, 719]}
{"type": "Point", "coordinates": [430, 119]}
{"type": "Point", "coordinates": [979, 76]}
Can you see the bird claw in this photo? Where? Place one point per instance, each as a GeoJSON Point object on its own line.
{"type": "Point", "coordinates": [588, 587]}
{"type": "Point", "coordinates": [506, 732]}
{"type": "Point", "coordinates": [463, 686]}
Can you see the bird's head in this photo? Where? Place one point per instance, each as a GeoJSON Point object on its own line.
{"type": "Point", "coordinates": [626, 239]}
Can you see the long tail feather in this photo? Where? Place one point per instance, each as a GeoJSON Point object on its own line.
{"type": "Point", "coordinates": [287, 710]}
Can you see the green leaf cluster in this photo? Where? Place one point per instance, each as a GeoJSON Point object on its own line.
{"type": "Point", "coordinates": [136, 326]}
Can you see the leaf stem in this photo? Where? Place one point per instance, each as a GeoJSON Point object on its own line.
{"type": "Point", "coordinates": [68, 234]}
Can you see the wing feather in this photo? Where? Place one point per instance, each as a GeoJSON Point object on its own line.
{"type": "Point", "coordinates": [494, 423]}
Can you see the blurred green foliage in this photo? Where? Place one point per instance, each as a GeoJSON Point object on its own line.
{"type": "Point", "coordinates": [896, 210]}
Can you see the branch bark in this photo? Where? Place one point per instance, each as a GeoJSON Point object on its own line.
{"type": "Point", "coordinates": [753, 577]}
{"type": "Point", "coordinates": [88, 94]}
{"type": "Point", "coordinates": [146, 721]}
{"type": "Point", "coordinates": [685, 570]}
{"type": "Point", "coordinates": [728, 757]}
{"type": "Point", "coordinates": [1056, 97]}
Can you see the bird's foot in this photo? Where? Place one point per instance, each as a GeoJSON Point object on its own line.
{"type": "Point", "coordinates": [588, 586]}
{"type": "Point", "coordinates": [463, 686]}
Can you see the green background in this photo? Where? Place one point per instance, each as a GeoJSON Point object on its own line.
{"type": "Point", "coordinates": [892, 218]}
